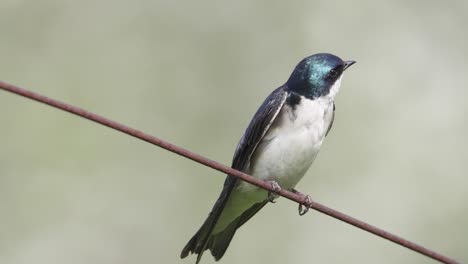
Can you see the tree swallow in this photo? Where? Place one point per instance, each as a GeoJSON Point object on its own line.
{"type": "Point", "coordinates": [279, 145]}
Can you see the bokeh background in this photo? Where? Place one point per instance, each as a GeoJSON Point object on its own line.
{"type": "Point", "coordinates": [193, 73]}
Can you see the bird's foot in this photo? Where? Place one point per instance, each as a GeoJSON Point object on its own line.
{"type": "Point", "coordinates": [305, 203]}
{"type": "Point", "coordinates": [276, 188]}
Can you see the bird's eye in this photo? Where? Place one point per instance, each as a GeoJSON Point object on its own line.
{"type": "Point", "coordinates": [333, 73]}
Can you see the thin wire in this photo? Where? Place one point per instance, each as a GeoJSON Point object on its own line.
{"type": "Point", "coordinates": [296, 197]}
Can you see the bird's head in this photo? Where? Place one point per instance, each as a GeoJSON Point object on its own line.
{"type": "Point", "coordinates": [318, 75]}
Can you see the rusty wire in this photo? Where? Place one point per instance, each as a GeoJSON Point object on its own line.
{"type": "Point", "coordinates": [296, 197]}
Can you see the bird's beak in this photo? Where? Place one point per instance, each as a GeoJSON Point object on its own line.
{"type": "Point", "coordinates": [348, 63]}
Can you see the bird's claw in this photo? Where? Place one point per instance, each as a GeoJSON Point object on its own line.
{"type": "Point", "coordinates": [306, 203]}
{"type": "Point", "coordinates": [276, 188]}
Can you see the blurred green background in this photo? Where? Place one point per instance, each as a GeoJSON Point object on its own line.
{"type": "Point", "coordinates": [193, 73]}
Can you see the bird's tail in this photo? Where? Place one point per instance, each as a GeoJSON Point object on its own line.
{"type": "Point", "coordinates": [217, 243]}
{"type": "Point", "coordinates": [204, 239]}
{"type": "Point", "coordinates": [197, 244]}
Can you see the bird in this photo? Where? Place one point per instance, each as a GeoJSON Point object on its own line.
{"type": "Point", "coordinates": [278, 146]}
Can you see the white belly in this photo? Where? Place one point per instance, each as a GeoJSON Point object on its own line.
{"type": "Point", "coordinates": [284, 155]}
{"type": "Point", "coordinates": [292, 143]}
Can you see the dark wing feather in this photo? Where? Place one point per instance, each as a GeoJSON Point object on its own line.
{"type": "Point", "coordinates": [254, 133]}
{"type": "Point", "coordinates": [251, 212]}
{"type": "Point", "coordinates": [258, 127]}
{"type": "Point", "coordinates": [219, 243]}
{"type": "Point", "coordinates": [332, 119]}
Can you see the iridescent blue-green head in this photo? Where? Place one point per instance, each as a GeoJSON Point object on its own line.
{"type": "Point", "coordinates": [318, 75]}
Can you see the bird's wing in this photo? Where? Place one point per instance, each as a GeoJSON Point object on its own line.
{"type": "Point", "coordinates": [258, 127]}
{"type": "Point", "coordinates": [332, 119]}
{"type": "Point", "coordinates": [253, 135]}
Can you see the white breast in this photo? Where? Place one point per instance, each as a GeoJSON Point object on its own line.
{"type": "Point", "coordinates": [285, 152]}
{"type": "Point", "coordinates": [292, 143]}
